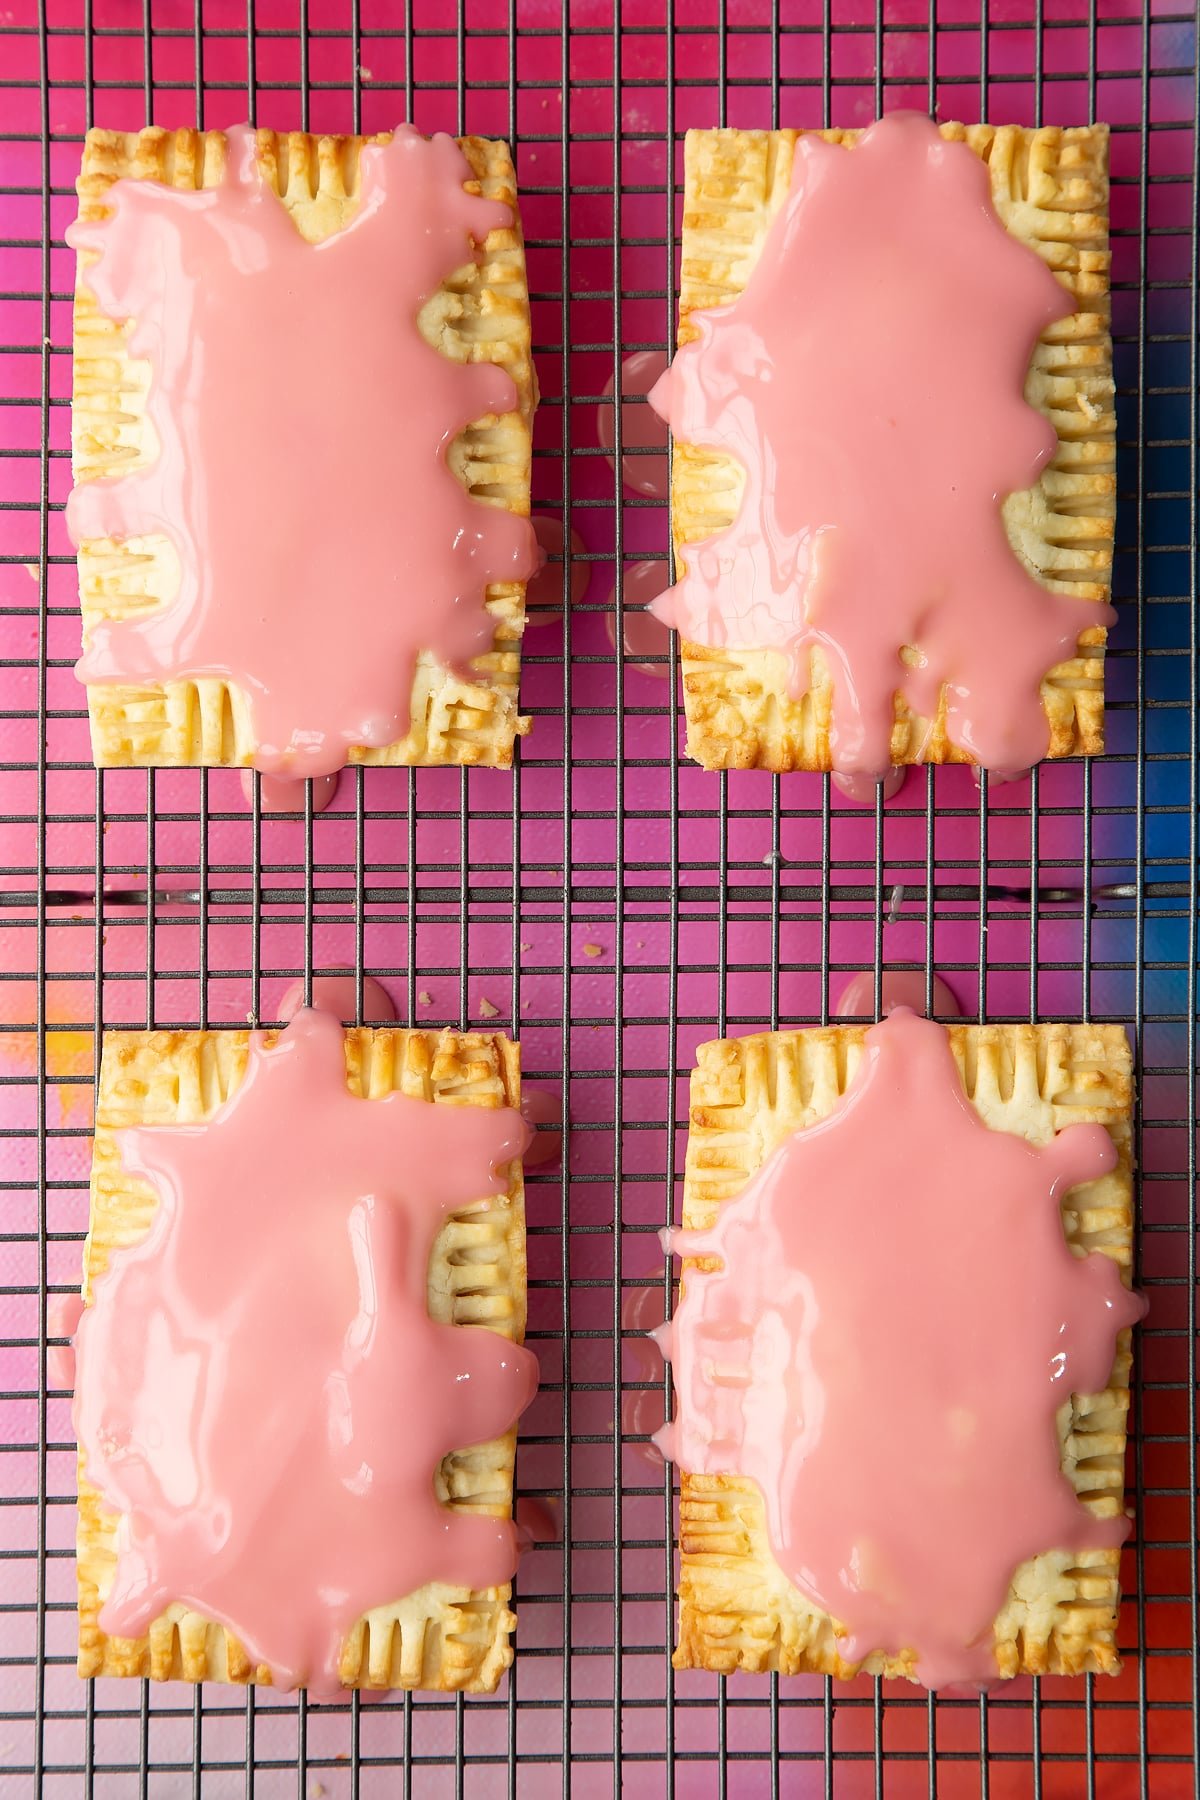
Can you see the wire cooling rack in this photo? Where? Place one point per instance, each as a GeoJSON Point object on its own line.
{"type": "Point", "coordinates": [611, 903]}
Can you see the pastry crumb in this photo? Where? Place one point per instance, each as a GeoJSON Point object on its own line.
{"type": "Point", "coordinates": [593, 950]}
{"type": "Point", "coordinates": [33, 572]}
{"type": "Point", "coordinates": [425, 998]}
{"type": "Point", "coordinates": [525, 944]}
{"type": "Point", "coordinates": [487, 1010]}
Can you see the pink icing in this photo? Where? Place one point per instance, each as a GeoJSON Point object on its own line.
{"type": "Point", "coordinates": [535, 1523]}
{"type": "Point", "coordinates": [869, 378]}
{"type": "Point", "coordinates": [643, 1405]}
{"type": "Point", "coordinates": [643, 634]}
{"type": "Point", "coordinates": [63, 1313]}
{"type": "Point", "coordinates": [900, 987]}
{"type": "Point", "coordinates": [304, 424]}
{"type": "Point", "coordinates": [281, 793]}
{"type": "Point", "coordinates": [894, 1322]}
{"type": "Point", "coordinates": [861, 790]}
{"type": "Point", "coordinates": [1000, 777]}
{"type": "Point", "coordinates": [540, 1108]}
{"type": "Point", "coordinates": [544, 594]}
{"type": "Point", "coordinates": [262, 1393]}
{"type": "Point", "coordinates": [334, 991]}
{"type": "Point", "coordinates": [642, 429]}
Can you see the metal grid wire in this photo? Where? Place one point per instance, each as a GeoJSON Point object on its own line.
{"type": "Point", "coordinates": [609, 902]}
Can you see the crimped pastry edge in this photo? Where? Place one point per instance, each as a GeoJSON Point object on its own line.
{"type": "Point", "coordinates": [440, 1637]}
{"type": "Point", "coordinates": [456, 718]}
{"type": "Point", "coordinates": [1050, 189]}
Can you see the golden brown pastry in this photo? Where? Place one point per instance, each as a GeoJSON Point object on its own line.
{"type": "Point", "coordinates": [480, 314]}
{"type": "Point", "coordinates": [737, 1610]}
{"type": "Point", "coordinates": [1050, 190]}
{"type": "Point", "coordinates": [440, 1636]}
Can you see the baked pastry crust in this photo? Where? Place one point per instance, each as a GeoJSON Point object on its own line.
{"type": "Point", "coordinates": [1050, 190]}
{"type": "Point", "coordinates": [439, 1637]}
{"type": "Point", "coordinates": [481, 313]}
{"type": "Point", "coordinates": [737, 1609]}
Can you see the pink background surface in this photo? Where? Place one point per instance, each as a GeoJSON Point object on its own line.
{"type": "Point", "coordinates": [611, 838]}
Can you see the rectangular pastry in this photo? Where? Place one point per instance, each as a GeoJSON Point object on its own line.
{"type": "Point", "coordinates": [441, 1636]}
{"type": "Point", "coordinates": [737, 1608]}
{"type": "Point", "coordinates": [479, 316]}
{"type": "Point", "coordinates": [1049, 187]}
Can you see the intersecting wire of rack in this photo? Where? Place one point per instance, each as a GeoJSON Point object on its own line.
{"type": "Point", "coordinates": [640, 906]}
